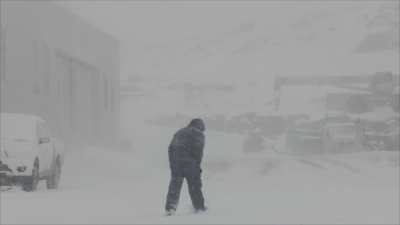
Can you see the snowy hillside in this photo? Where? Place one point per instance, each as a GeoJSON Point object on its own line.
{"type": "Point", "coordinates": [328, 39]}
{"type": "Point", "coordinates": [332, 36]}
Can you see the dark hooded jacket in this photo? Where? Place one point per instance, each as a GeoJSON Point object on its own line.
{"type": "Point", "coordinates": [188, 143]}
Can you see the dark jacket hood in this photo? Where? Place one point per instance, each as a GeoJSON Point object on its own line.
{"type": "Point", "coordinates": [198, 124]}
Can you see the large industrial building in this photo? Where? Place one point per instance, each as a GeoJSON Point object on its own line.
{"type": "Point", "coordinates": [57, 66]}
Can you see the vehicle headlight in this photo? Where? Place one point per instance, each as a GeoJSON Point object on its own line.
{"type": "Point", "coordinates": [21, 169]}
{"type": "Point", "coordinates": [4, 167]}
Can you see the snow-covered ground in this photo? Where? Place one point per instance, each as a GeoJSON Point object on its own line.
{"type": "Point", "coordinates": [113, 186]}
{"type": "Point", "coordinates": [128, 186]}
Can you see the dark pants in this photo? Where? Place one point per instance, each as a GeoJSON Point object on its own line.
{"type": "Point", "coordinates": [192, 172]}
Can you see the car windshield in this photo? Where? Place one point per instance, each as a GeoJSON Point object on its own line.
{"type": "Point", "coordinates": [16, 127]}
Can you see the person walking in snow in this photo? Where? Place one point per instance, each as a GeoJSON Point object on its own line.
{"type": "Point", "coordinates": [185, 153]}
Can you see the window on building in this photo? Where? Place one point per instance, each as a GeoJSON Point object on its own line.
{"type": "Point", "coordinates": [36, 63]}
{"type": "Point", "coordinates": [105, 93]}
{"type": "Point", "coordinates": [42, 66]}
{"type": "Point", "coordinates": [2, 54]}
{"type": "Point", "coordinates": [46, 69]}
{"type": "Point", "coordinates": [112, 96]}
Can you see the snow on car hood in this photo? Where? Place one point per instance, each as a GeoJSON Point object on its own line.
{"type": "Point", "coordinates": [17, 151]}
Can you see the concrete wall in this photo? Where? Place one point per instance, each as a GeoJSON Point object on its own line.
{"type": "Point", "coordinates": [59, 67]}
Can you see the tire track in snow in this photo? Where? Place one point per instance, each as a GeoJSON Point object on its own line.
{"type": "Point", "coordinates": [312, 164]}
{"type": "Point", "coordinates": [342, 164]}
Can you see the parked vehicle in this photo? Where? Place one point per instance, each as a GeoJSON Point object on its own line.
{"type": "Point", "coordinates": [331, 134]}
{"type": "Point", "coordinates": [254, 142]}
{"type": "Point", "coordinates": [29, 152]}
{"type": "Point", "coordinates": [394, 132]}
{"type": "Point", "coordinates": [304, 137]}
{"type": "Point", "coordinates": [383, 135]}
{"type": "Point", "coordinates": [341, 137]}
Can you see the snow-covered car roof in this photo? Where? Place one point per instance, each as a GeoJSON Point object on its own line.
{"type": "Point", "coordinates": [18, 126]}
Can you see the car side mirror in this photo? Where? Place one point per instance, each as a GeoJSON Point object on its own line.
{"type": "Point", "coordinates": [44, 140]}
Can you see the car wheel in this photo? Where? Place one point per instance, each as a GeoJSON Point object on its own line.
{"type": "Point", "coordinates": [53, 180]}
{"type": "Point", "coordinates": [32, 182]}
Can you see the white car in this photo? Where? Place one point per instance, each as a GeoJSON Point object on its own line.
{"type": "Point", "coordinates": [341, 137]}
{"type": "Point", "coordinates": [28, 152]}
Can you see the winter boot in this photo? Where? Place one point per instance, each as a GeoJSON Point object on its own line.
{"type": "Point", "coordinates": [170, 212]}
{"type": "Point", "coordinates": [200, 210]}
